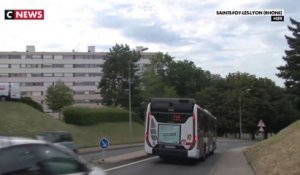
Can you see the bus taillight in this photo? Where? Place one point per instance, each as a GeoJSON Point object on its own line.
{"type": "Point", "coordinates": [194, 131]}
{"type": "Point", "coordinates": [147, 132]}
{"type": "Point", "coordinates": [176, 118]}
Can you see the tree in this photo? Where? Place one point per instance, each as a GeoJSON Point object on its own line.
{"type": "Point", "coordinates": [291, 70]}
{"type": "Point", "coordinates": [119, 62]}
{"type": "Point", "coordinates": [58, 96]}
{"type": "Point", "coordinates": [187, 78]}
{"type": "Point", "coordinates": [152, 85]}
{"type": "Point", "coordinates": [160, 64]}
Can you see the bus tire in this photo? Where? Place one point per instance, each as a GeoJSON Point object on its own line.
{"type": "Point", "coordinates": [3, 98]}
{"type": "Point", "coordinates": [203, 157]}
{"type": "Point", "coordinates": [214, 147]}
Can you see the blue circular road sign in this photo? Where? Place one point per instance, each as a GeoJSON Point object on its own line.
{"type": "Point", "coordinates": [104, 143]}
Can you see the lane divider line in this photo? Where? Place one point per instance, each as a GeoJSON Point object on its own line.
{"type": "Point", "coordinates": [129, 164]}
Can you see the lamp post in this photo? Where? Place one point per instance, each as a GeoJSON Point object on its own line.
{"type": "Point", "coordinates": [139, 49]}
{"type": "Point", "coordinates": [240, 110]}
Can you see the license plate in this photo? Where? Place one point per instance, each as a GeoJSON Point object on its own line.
{"type": "Point", "coordinates": [170, 147]}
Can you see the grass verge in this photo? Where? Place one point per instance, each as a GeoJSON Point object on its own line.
{"type": "Point", "coordinates": [22, 120]}
{"type": "Point", "coordinates": [277, 155]}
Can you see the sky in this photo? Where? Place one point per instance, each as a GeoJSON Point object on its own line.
{"type": "Point", "coordinates": [185, 29]}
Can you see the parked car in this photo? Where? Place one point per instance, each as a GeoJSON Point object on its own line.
{"type": "Point", "coordinates": [22, 156]}
{"type": "Point", "coordinates": [63, 138]}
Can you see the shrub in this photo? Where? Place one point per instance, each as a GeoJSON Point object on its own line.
{"type": "Point", "coordinates": [32, 103]}
{"type": "Point", "coordinates": [90, 116]}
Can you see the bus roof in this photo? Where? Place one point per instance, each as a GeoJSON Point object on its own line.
{"type": "Point", "coordinates": [178, 105]}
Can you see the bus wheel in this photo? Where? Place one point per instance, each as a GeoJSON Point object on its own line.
{"type": "Point", "coordinates": [203, 153]}
{"type": "Point", "coordinates": [213, 148]}
{"type": "Point", "coordinates": [3, 98]}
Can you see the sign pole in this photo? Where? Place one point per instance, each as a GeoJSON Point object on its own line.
{"type": "Point", "coordinates": [103, 155]}
{"type": "Point", "coordinates": [103, 144]}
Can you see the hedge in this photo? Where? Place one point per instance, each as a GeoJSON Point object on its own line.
{"type": "Point", "coordinates": [32, 103]}
{"type": "Point", "coordinates": [89, 116]}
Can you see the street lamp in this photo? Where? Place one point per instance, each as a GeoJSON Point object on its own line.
{"type": "Point", "coordinates": [240, 110]}
{"type": "Point", "coordinates": [139, 49]}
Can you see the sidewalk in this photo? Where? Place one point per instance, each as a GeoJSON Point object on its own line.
{"type": "Point", "coordinates": [233, 162]}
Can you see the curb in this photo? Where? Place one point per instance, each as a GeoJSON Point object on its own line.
{"type": "Point", "coordinates": [123, 157]}
{"type": "Point", "coordinates": [112, 147]}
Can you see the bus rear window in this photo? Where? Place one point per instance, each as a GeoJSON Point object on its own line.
{"type": "Point", "coordinates": [171, 118]}
{"type": "Point", "coordinates": [172, 105]}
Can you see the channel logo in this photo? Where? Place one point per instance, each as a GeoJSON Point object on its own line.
{"type": "Point", "coordinates": [24, 14]}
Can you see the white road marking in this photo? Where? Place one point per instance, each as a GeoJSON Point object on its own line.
{"type": "Point", "coordinates": [129, 164]}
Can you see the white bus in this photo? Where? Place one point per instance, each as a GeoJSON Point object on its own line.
{"type": "Point", "coordinates": [178, 127]}
{"type": "Point", "coordinates": [9, 91]}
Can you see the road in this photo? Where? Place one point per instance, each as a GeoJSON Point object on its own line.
{"type": "Point", "coordinates": [157, 166]}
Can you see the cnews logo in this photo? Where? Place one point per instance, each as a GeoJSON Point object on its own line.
{"type": "Point", "coordinates": [23, 14]}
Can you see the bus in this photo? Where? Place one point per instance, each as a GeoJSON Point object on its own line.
{"type": "Point", "coordinates": [178, 127]}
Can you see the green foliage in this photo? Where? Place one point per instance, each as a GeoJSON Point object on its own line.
{"type": "Point", "coordinates": [291, 70]}
{"type": "Point", "coordinates": [90, 116]}
{"type": "Point", "coordinates": [59, 96]}
{"type": "Point", "coordinates": [165, 77]}
{"type": "Point", "coordinates": [32, 103]}
{"type": "Point", "coordinates": [18, 119]}
{"type": "Point", "coordinates": [153, 86]}
{"type": "Point", "coordinates": [186, 78]}
{"type": "Point", "coordinates": [160, 63]}
{"type": "Point", "coordinates": [264, 101]}
{"type": "Point", "coordinates": [114, 84]}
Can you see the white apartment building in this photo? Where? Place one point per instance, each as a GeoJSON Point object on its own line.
{"type": "Point", "coordinates": [36, 71]}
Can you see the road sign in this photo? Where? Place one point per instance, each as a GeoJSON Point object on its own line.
{"type": "Point", "coordinates": [104, 143]}
{"type": "Point", "coordinates": [261, 129]}
{"type": "Point", "coordinates": [261, 124]}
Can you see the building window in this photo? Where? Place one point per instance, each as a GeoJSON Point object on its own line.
{"type": "Point", "coordinates": [26, 93]}
{"type": "Point", "coordinates": [37, 75]}
{"type": "Point", "coordinates": [68, 57]}
{"type": "Point", "coordinates": [36, 56]}
{"type": "Point", "coordinates": [32, 84]}
{"type": "Point", "coordinates": [95, 74]}
{"type": "Point", "coordinates": [3, 75]}
{"type": "Point", "coordinates": [58, 57]}
{"type": "Point", "coordinates": [48, 75]}
{"type": "Point", "coordinates": [58, 66]}
{"type": "Point", "coordinates": [28, 56]}
{"type": "Point", "coordinates": [68, 66]}
{"type": "Point", "coordinates": [92, 92]}
{"type": "Point", "coordinates": [86, 65]}
{"type": "Point", "coordinates": [48, 56]}
{"type": "Point", "coordinates": [4, 56]}
{"type": "Point", "coordinates": [79, 75]}
{"type": "Point", "coordinates": [79, 65]}
{"type": "Point", "coordinates": [58, 74]}
{"type": "Point", "coordinates": [78, 92]}
{"type": "Point", "coordinates": [17, 75]}
{"type": "Point", "coordinates": [99, 57]}
{"type": "Point", "coordinates": [78, 57]}
{"type": "Point", "coordinates": [15, 56]}
{"type": "Point", "coordinates": [36, 93]}
{"type": "Point", "coordinates": [86, 83]}
{"type": "Point", "coordinates": [15, 65]}
{"type": "Point", "coordinates": [68, 74]}
{"type": "Point", "coordinates": [47, 65]}
{"type": "Point", "coordinates": [33, 66]}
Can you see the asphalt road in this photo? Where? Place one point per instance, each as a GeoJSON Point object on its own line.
{"type": "Point", "coordinates": [157, 166]}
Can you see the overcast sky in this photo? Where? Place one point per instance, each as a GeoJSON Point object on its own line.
{"type": "Point", "coordinates": [186, 29]}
